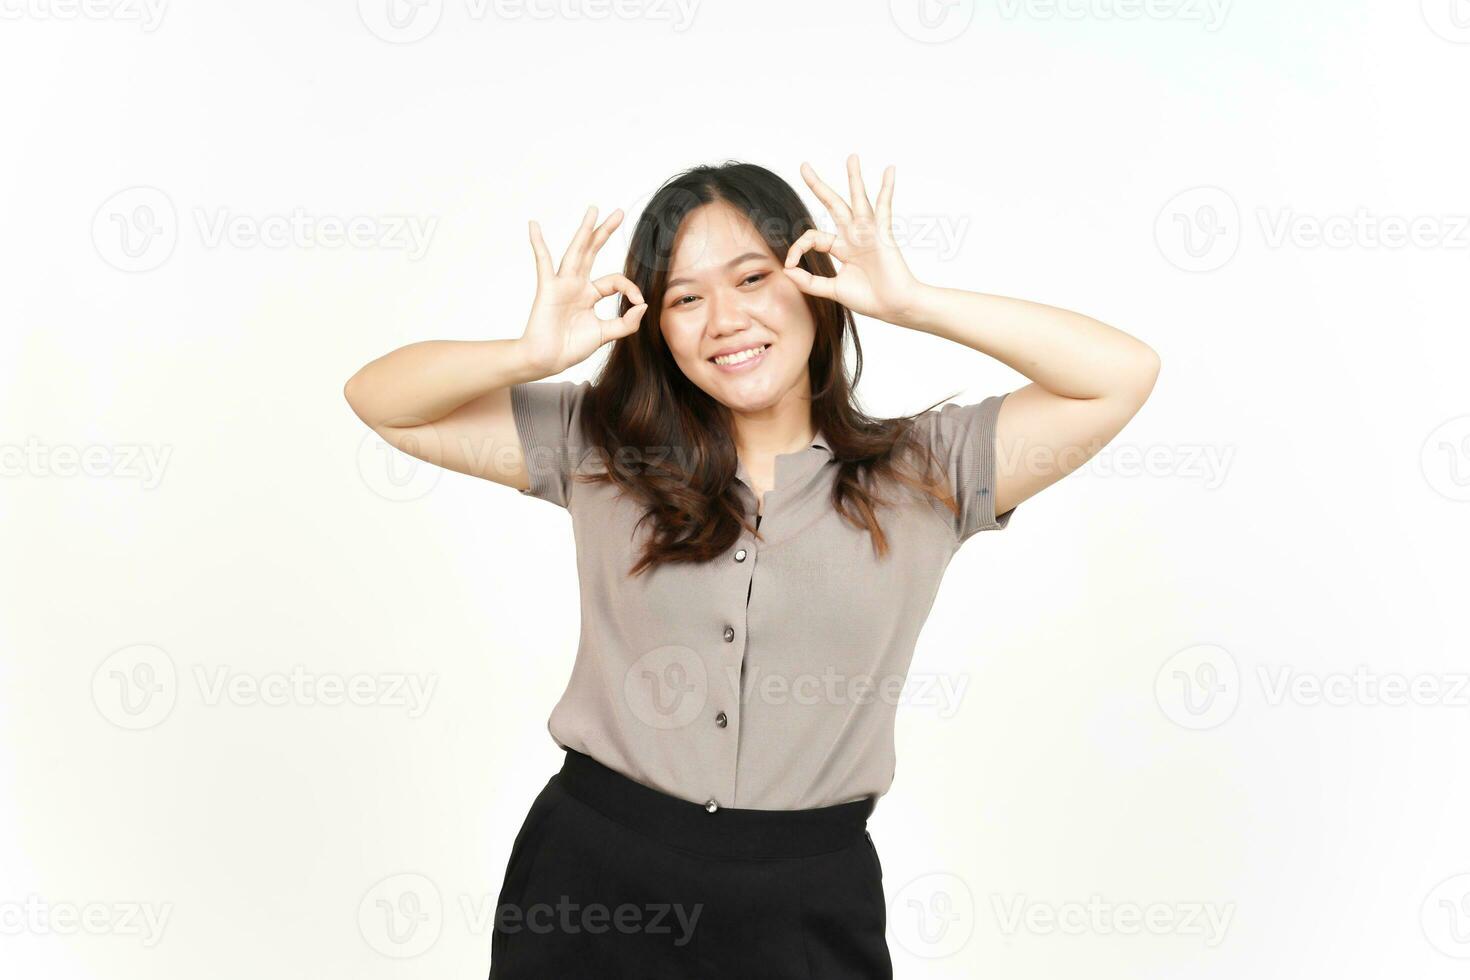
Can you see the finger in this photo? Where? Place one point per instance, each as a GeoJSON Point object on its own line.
{"type": "Point", "coordinates": [599, 238]}
{"type": "Point", "coordinates": [859, 193]}
{"type": "Point", "coordinates": [826, 195]}
{"type": "Point", "coordinates": [543, 256]}
{"type": "Point", "coordinates": [615, 282]}
{"type": "Point", "coordinates": [624, 325]}
{"type": "Point", "coordinates": [811, 239]}
{"type": "Point", "coordinates": [823, 286]}
{"type": "Point", "coordinates": [569, 259]}
{"type": "Point", "coordinates": [885, 200]}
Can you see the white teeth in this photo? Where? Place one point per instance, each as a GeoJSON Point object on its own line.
{"type": "Point", "coordinates": [744, 355]}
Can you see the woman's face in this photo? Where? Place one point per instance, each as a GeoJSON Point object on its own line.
{"type": "Point", "coordinates": [727, 293]}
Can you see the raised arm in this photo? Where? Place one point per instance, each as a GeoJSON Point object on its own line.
{"type": "Point", "coordinates": [447, 402]}
{"type": "Point", "coordinates": [1088, 379]}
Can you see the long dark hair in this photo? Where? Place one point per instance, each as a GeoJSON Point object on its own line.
{"type": "Point", "coordinates": [668, 444]}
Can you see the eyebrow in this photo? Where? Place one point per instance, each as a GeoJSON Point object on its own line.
{"type": "Point", "coordinates": [729, 265]}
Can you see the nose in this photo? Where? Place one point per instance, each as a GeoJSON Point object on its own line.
{"type": "Point", "coordinates": [726, 313]}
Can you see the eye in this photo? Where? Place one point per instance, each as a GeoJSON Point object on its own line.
{"type": "Point", "coordinates": [757, 276]}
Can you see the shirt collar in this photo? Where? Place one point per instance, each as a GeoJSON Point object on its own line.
{"type": "Point", "coordinates": [802, 460]}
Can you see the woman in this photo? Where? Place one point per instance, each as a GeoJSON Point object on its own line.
{"type": "Point", "coordinates": [756, 558]}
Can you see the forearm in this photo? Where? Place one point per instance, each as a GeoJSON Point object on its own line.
{"type": "Point", "coordinates": [1064, 352]}
{"type": "Point", "coordinates": [425, 381]}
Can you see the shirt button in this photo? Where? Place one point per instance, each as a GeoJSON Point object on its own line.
{"type": "Point", "coordinates": [740, 555]}
{"type": "Point", "coordinates": [711, 806]}
{"type": "Point", "coordinates": [721, 720]}
{"type": "Point", "coordinates": [729, 633]}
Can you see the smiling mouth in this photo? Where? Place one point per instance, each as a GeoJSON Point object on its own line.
{"type": "Point", "coordinates": [740, 357]}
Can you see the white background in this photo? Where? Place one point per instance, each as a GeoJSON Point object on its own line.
{"type": "Point", "coordinates": [186, 491]}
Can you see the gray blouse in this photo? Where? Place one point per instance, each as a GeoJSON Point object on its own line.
{"type": "Point", "coordinates": [769, 677]}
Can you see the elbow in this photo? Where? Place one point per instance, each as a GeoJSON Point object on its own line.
{"type": "Point", "coordinates": [352, 392]}
{"type": "Point", "coordinates": [1135, 382]}
{"type": "Point", "coordinates": [1147, 372]}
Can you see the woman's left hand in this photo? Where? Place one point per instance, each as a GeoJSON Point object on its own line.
{"type": "Point", "coordinates": [872, 278]}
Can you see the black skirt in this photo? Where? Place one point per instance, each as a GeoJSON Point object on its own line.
{"type": "Point", "coordinates": [609, 878]}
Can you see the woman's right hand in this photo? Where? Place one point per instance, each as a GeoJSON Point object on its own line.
{"type": "Point", "coordinates": [563, 329]}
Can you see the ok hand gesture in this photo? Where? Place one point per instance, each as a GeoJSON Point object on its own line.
{"type": "Point", "coordinates": [563, 329]}
{"type": "Point", "coordinates": [872, 279]}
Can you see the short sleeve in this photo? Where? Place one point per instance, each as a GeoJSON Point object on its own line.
{"type": "Point", "coordinates": [962, 438]}
{"type": "Point", "coordinates": [547, 420]}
